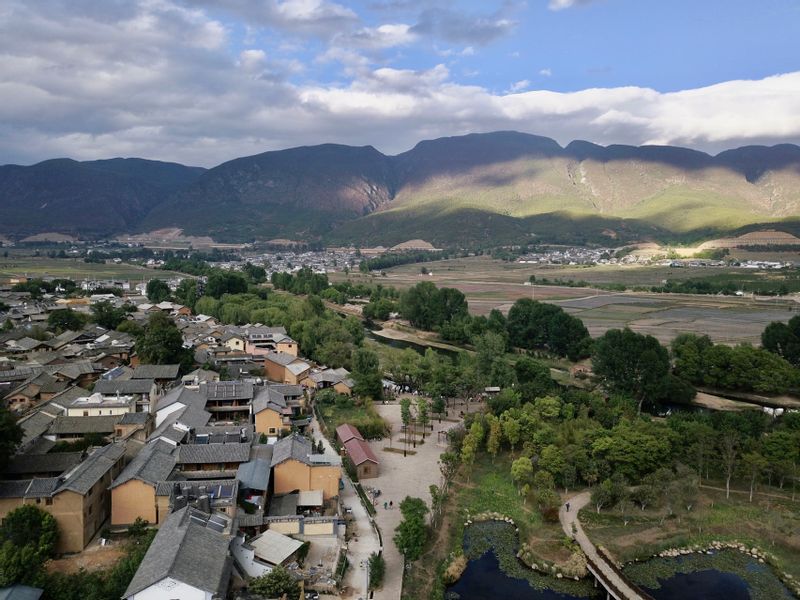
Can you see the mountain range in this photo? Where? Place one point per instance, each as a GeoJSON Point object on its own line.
{"type": "Point", "coordinates": [490, 188]}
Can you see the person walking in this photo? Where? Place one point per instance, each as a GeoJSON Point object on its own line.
{"type": "Point", "coordinates": [567, 506]}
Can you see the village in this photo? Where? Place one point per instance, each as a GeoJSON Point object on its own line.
{"type": "Point", "coordinates": [228, 460]}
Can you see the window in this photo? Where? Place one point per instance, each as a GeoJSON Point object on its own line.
{"type": "Point", "coordinates": [48, 501]}
{"type": "Point", "coordinates": [38, 501]}
{"type": "Point", "coordinates": [272, 430]}
{"type": "Point", "coordinates": [86, 413]}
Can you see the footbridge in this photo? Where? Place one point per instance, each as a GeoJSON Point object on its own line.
{"type": "Point", "coordinates": [598, 562]}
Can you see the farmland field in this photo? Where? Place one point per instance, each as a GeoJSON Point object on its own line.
{"type": "Point", "coordinates": [71, 268]}
{"type": "Point", "coordinates": [489, 284]}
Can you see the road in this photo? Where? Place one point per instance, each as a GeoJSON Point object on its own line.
{"type": "Point", "coordinates": [365, 540]}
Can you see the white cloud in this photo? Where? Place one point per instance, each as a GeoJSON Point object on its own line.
{"type": "Point", "coordinates": [562, 4]}
{"type": "Point", "coordinates": [545, 72]}
{"type": "Point", "coordinates": [156, 79]}
{"type": "Point", "coordinates": [519, 86]}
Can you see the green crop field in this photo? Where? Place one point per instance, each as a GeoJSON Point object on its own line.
{"type": "Point", "coordinates": [69, 268]}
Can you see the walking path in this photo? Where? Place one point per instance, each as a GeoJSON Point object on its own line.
{"type": "Point", "coordinates": [365, 540]}
{"type": "Point", "coordinates": [609, 576]}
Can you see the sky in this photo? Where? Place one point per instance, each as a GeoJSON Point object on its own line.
{"type": "Point", "coordinates": [204, 81]}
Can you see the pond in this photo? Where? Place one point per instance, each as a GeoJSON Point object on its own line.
{"type": "Point", "coordinates": [723, 575]}
{"type": "Point", "coordinates": [484, 580]}
{"type": "Point", "coordinates": [494, 572]}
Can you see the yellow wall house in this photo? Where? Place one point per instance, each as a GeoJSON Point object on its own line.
{"type": "Point", "coordinates": [295, 468]}
{"type": "Point", "coordinates": [285, 368]}
{"type": "Point", "coordinates": [275, 405]}
{"type": "Point", "coordinates": [133, 493]}
{"type": "Point", "coordinates": [79, 499]}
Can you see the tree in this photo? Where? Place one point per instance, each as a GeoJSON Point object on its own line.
{"type": "Point", "coordinates": [729, 455]}
{"type": "Point", "coordinates": [367, 375]}
{"type": "Point", "coordinates": [10, 435]}
{"type": "Point", "coordinates": [65, 319]}
{"type": "Point", "coordinates": [107, 315]}
{"type": "Point", "coordinates": [275, 584]}
{"type": "Point", "coordinates": [438, 406]}
{"type": "Point", "coordinates": [783, 339]}
{"type": "Point", "coordinates": [162, 343]}
{"type": "Point", "coordinates": [511, 430]}
{"type": "Point", "coordinates": [157, 290]}
{"type": "Point", "coordinates": [423, 415]}
{"type": "Point", "coordinates": [495, 435]}
{"type": "Point", "coordinates": [754, 465]}
{"type": "Point", "coordinates": [28, 536]}
{"type": "Point", "coordinates": [631, 363]}
{"type": "Point", "coordinates": [377, 570]}
{"type": "Point", "coordinates": [533, 379]}
{"type": "Point", "coordinates": [522, 471]}
{"type": "Point", "coordinates": [411, 533]}
{"type": "Point", "coordinates": [503, 401]}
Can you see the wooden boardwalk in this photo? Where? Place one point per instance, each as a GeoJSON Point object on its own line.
{"type": "Point", "coordinates": [600, 565]}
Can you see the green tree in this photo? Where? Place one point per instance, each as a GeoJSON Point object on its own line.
{"type": "Point", "coordinates": [511, 430]}
{"type": "Point", "coordinates": [162, 343]}
{"type": "Point", "coordinates": [10, 435]}
{"type": "Point", "coordinates": [367, 375]}
{"type": "Point", "coordinates": [423, 414]}
{"type": "Point", "coordinates": [411, 533]}
{"type": "Point", "coordinates": [107, 315]}
{"type": "Point", "coordinates": [186, 292]}
{"type": "Point", "coordinates": [275, 584]}
{"type": "Point", "coordinates": [65, 319]}
{"type": "Point", "coordinates": [783, 339]}
{"type": "Point", "coordinates": [495, 435]}
{"type": "Point", "coordinates": [631, 363]}
{"type": "Point", "coordinates": [377, 570]}
{"type": "Point", "coordinates": [29, 537]}
{"type": "Point", "coordinates": [522, 471]}
{"type": "Point", "coordinates": [157, 290]}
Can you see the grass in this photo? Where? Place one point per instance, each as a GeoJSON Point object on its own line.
{"type": "Point", "coordinates": [768, 523]}
{"type": "Point", "coordinates": [70, 268]}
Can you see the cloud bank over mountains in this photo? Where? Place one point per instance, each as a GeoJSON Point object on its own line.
{"type": "Point", "coordinates": [201, 82]}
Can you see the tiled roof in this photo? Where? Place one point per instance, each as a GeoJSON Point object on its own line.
{"type": "Point", "coordinates": [43, 463]}
{"type": "Point", "coordinates": [281, 358]}
{"type": "Point", "coordinates": [188, 551]}
{"type": "Point", "coordinates": [82, 425]}
{"type": "Point", "coordinates": [197, 454]}
{"type": "Point", "coordinates": [360, 452]}
{"type": "Point", "coordinates": [154, 463]}
{"type": "Point", "coordinates": [293, 446]}
{"type": "Point", "coordinates": [156, 372]}
{"type": "Point", "coordinates": [123, 386]}
{"type": "Point", "coordinates": [91, 470]}
{"type": "Point", "coordinates": [346, 432]}
{"type": "Point", "coordinates": [254, 474]}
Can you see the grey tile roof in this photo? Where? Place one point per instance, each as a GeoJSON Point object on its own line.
{"type": "Point", "coordinates": [34, 426]}
{"type": "Point", "coordinates": [43, 463]}
{"type": "Point", "coordinates": [82, 425]}
{"type": "Point", "coordinates": [196, 454]}
{"type": "Point", "coordinates": [155, 462]}
{"type": "Point", "coordinates": [254, 474]}
{"type": "Point", "coordinates": [156, 372]}
{"type": "Point", "coordinates": [123, 386]}
{"type": "Point", "coordinates": [293, 446]}
{"type": "Point", "coordinates": [281, 358]}
{"type": "Point", "coordinates": [90, 471]}
{"type": "Point", "coordinates": [67, 396]}
{"type": "Point", "coordinates": [187, 551]}
{"type": "Point", "coordinates": [134, 418]}
{"type": "Point", "coordinates": [182, 395]}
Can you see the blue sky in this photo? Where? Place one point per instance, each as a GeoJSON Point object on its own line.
{"type": "Point", "coordinates": [203, 81]}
